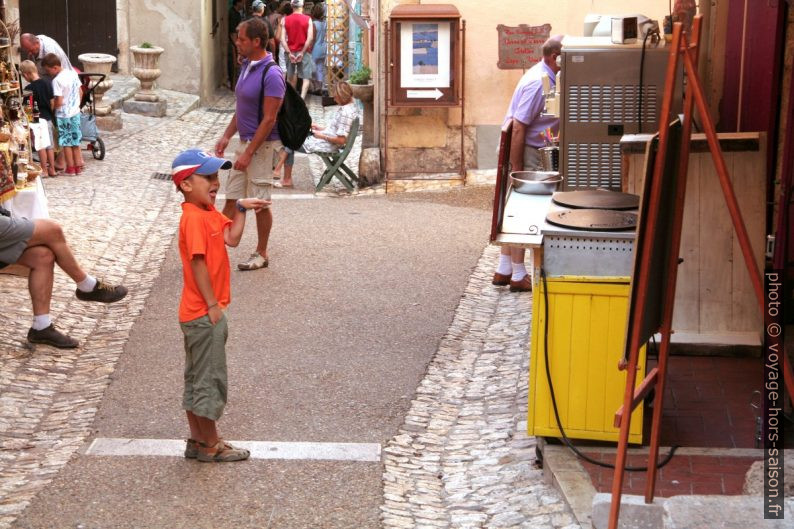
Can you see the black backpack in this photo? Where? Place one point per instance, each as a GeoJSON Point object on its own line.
{"type": "Point", "coordinates": [294, 121]}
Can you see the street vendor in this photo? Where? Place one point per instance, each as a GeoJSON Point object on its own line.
{"type": "Point", "coordinates": [529, 133]}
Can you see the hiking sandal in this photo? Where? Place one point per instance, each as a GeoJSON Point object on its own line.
{"type": "Point", "coordinates": [222, 452]}
{"type": "Point", "coordinates": [191, 449]}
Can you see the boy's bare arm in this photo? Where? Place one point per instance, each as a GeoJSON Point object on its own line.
{"type": "Point", "coordinates": [57, 102]}
{"type": "Point", "coordinates": [202, 276]}
{"type": "Point", "coordinates": [233, 233]}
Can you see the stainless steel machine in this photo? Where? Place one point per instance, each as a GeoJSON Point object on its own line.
{"type": "Point", "coordinates": [600, 102]}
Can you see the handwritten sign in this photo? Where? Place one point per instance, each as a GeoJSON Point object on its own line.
{"type": "Point", "coordinates": [520, 47]}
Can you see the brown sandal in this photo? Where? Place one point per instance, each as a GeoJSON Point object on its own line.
{"type": "Point", "coordinates": [191, 449]}
{"type": "Point", "coordinates": [222, 452]}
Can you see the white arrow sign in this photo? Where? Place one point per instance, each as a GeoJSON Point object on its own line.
{"type": "Point", "coordinates": [435, 93]}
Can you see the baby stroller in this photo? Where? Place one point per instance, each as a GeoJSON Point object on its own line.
{"type": "Point", "coordinates": [88, 127]}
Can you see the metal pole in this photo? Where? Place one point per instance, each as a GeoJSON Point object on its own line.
{"type": "Point", "coordinates": [463, 100]}
{"type": "Point", "coordinates": [386, 106]}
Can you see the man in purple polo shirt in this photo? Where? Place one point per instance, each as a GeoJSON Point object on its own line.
{"type": "Point", "coordinates": [259, 97]}
{"type": "Point", "coordinates": [529, 125]}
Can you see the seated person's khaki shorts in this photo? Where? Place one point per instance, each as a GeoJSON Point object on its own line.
{"type": "Point", "coordinates": [257, 180]}
{"type": "Point", "coordinates": [14, 236]}
{"type": "Point", "coordinates": [205, 367]}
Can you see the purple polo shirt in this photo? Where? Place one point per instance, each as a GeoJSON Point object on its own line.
{"type": "Point", "coordinates": [527, 105]}
{"type": "Point", "coordinates": [248, 91]}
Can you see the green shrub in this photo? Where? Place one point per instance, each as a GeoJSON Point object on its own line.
{"type": "Point", "coordinates": [147, 45]}
{"type": "Point", "coordinates": [361, 76]}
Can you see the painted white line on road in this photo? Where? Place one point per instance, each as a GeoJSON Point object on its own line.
{"type": "Point", "coordinates": [293, 196]}
{"type": "Point", "coordinates": [366, 452]}
{"type": "Point", "coordinates": [275, 196]}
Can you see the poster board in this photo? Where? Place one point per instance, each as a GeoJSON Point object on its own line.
{"type": "Point", "coordinates": [425, 52]}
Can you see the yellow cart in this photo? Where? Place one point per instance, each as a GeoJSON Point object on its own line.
{"type": "Point", "coordinates": [587, 328]}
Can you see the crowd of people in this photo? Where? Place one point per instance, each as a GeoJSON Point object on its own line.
{"type": "Point", "coordinates": [56, 90]}
{"type": "Point", "coordinates": [297, 40]}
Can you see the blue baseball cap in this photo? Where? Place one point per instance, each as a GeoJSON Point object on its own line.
{"type": "Point", "coordinates": [196, 161]}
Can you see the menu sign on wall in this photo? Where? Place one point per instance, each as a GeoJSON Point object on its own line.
{"type": "Point", "coordinates": [520, 47]}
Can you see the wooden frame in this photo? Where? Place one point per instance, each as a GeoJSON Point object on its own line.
{"type": "Point", "coordinates": [643, 321]}
{"type": "Point", "coordinates": [426, 95]}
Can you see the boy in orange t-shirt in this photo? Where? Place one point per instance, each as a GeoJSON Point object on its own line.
{"type": "Point", "coordinates": [204, 233]}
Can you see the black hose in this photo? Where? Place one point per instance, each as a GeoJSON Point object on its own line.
{"type": "Point", "coordinates": [554, 399]}
{"type": "Point", "coordinates": [642, 70]}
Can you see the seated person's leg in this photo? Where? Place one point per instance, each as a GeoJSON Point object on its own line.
{"type": "Point", "coordinates": [289, 161]}
{"type": "Point", "coordinates": [283, 154]}
{"type": "Point", "coordinates": [49, 234]}
{"type": "Point", "coordinates": [40, 260]}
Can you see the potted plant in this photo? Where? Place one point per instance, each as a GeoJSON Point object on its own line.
{"type": "Point", "coordinates": [146, 67]}
{"type": "Point", "coordinates": [359, 80]}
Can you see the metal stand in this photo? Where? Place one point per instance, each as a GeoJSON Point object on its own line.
{"type": "Point", "coordinates": [461, 99]}
{"type": "Point", "coordinates": [685, 49]}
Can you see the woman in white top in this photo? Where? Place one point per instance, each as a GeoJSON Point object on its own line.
{"type": "Point", "coordinates": [323, 139]}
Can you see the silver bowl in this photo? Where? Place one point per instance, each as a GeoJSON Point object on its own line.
{"type": "Point", "coordinates": [535, 182]}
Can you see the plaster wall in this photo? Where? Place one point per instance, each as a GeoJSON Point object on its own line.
{"type": "Point", "coordinates": [123, 33]}
{"type": "Point", "coordinates": [177, 27]}
{"type": "Point", "coordinates": [213, 46]}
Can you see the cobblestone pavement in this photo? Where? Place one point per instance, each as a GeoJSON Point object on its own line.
{"type": "Point", "coordinates": [460, 460]}
{"type": "Point", "coordinates": [120, 221]}
{"type": "Point", "coordinates": [462, 457]}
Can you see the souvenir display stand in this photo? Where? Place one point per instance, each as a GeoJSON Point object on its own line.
{"type": "Point", "coordinates": [18, 172]}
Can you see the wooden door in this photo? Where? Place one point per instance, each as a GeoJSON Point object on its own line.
{"type": "Point", "coordinates": [79, 26]}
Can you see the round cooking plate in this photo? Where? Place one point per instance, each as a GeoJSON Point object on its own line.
{"type": "Point", "coordinates": [597, 199]}
{"type": "Point", "coordinates": [593, 219]}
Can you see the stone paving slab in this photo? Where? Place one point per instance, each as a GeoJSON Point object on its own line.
{"type": "Point", "coordinates": [462, 457]}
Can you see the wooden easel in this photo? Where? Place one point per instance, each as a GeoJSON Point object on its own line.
{"type": "Point", "coordinates": [683, 48]}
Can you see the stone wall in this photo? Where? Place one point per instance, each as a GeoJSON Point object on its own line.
{"type": "Point", "coordinates": [176, 27]}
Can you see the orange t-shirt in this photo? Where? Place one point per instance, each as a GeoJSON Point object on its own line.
{"type": "Point", "coordinates": [201, 233]}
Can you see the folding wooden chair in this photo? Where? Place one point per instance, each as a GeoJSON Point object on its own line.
{"type": "Point", "coordinates": [335, 163]}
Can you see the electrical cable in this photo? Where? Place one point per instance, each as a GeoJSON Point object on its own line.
{"type": "Point", "coordinates": [554, 399]}
{"type": "Point", "coordinates": [642, 71]}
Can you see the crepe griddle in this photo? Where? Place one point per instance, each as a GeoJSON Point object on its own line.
{"type": "Point", "coordinates": [596, 199]}
{"type": "Point", "coordinates": [593, 219]}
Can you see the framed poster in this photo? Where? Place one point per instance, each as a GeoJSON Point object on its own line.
{"type": "Point", "coordinates": [426, 46]}
{"type": "Point", "coordinates": [424, 55]}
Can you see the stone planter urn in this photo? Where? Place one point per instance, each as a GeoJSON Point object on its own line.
{"type": "Point", "coordinates": [146, 67]}
{"type": "Point", "coordinates": [99, 63]}
{"type": "Point", "coordinates": [366, 94]}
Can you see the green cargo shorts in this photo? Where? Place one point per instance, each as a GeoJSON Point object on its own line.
{"type": "Point", "coordinates": [205, 366]}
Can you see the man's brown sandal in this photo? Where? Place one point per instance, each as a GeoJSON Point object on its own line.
{"type": "Point", "coordinates": [222, 452]}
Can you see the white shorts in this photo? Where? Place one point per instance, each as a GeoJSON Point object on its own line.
{"type": "Point", "coordinates": [257, 180]}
